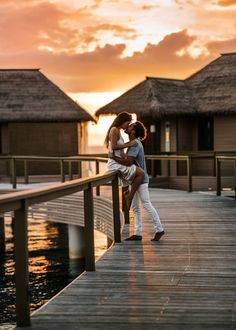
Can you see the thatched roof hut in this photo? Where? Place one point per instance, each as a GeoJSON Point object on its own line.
{"type": "Point", "coordinates": [26, 95]}
{"type": "Point", "coordinates": [152, 97]}
{"type": "Point", "coordinates": [210, 90]}
{"type": "Point", "coordinates": [214, 86]}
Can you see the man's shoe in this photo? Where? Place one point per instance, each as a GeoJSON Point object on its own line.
{"type": "Point", "coordinates": [134, 238]}
{"type": "Point", "coordinates": [158, 236]}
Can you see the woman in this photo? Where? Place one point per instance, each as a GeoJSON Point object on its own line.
{"type": "Point", "coordinates": [133, 174]}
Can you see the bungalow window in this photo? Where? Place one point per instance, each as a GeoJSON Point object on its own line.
{"type": "Point", "coordinates": [167, 136]}
{"type": "Point", "coordinates": [205, 133]}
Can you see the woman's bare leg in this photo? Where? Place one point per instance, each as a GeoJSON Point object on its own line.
{"type": "Point", "coordinates": [134, 186]}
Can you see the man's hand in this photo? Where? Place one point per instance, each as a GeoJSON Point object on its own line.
{"type": "Point", "coordinates": [131, 143]}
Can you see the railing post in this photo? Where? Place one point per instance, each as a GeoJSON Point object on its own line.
{"type": "Point", "coordinates": [26, 172]}
{"type": "Point", "coordinates": [13, 172]}
{"type": "Point", "coordinates": [70, 170]}
{"type": "Point", "coordinates": [218, 177]}
{"type": "Point", "coordinates": [124, 206]}
{"type": "Point", "coordinates": [2, 233]}
{"type": "Point", "coordinates": [152, 168]}
{"type": "Point", "coordinates": [189, 173]}
{"type": "Point", "coordinates": [168, 167]}
{"type": "Point", "coordinates": [79, 169]}
{"type": "Point", "coordinates": [89, 229]}
{"type": "Point", "coordinates": [97, 172]}
{"type": "Point", "coordinates": [235, 177]}
{"type": "Point", "coordinates": [116, 209]}
{"type": "Point", "coordinates": [21, 266]}
{"type": "Point", "coordinates": [214, 164]}
{"type": "Point", "coordinates": [62, 165]}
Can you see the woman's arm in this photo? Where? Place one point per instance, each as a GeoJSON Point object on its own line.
{"type": "Point", "coordinates": [114, 137]}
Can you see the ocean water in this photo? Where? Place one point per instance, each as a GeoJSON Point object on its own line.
{"type": "Point", "coordinates": [50, 268]}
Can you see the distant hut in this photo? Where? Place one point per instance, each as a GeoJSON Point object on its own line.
{"type": "Point", "coordinates": [197, 114]}
{"type": "Point", "coordinates": [37, 117]}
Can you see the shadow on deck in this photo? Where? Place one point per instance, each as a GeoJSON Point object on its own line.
{"type": "Point", "coordinates": [185, 281]}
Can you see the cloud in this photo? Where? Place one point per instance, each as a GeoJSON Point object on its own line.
{"type": "Point", "coordinates": [66, 43]}
{"type": "Point", "coordinates": [104, 69]}
{"type": "Point", "coordinates": [117, 30]}
{"type": "Point", "coordinates": [221, 46]}
{"type": "Point", "coordinates": [27, 28]}
{"type": "Point", "coordinates": [226, 3]}
{"type": "Point", "coordinates": [150, 7]}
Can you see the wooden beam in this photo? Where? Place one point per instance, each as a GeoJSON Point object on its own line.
{"type": "Point", "coordinates": [116, 210]}
{"type": "Point", "coordinates": [21, 266]}
{"type": "Point", "coordinates": [89, 229]}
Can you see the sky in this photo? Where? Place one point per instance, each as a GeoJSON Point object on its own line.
{"type": "Point", "coordinates": [95, 50]}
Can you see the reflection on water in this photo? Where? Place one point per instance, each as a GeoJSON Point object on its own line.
{"type": "Point", "coordinates": [49, 266]}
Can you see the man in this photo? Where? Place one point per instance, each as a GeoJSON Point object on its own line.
{"type": "Point", "coordinates": [135, 155]}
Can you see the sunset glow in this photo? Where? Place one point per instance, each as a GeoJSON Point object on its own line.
{"type": "Point", "coordinates": [97, 49]}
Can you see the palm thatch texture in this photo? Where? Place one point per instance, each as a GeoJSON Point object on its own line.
{"type": "Point", "coordinates": [26, 95]}
{"type": "Point", "coordinates": [210, 90]}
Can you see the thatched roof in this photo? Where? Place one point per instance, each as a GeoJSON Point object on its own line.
{"type": "Point", "coordinates": [212, 89]}
{"type": "Point", "coordinates": [152, 97]}
{"type": "Point", "coordinates": [26, 95]}
{"type": "Point", "coordinates": [215, 86]}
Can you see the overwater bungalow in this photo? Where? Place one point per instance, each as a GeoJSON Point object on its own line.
{"type": "Point", "coordinates": [38, 118]}
{"type": "Point", "coordinates": [195, 115]}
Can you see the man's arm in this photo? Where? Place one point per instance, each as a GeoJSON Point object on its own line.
{"type": "Point", "coordinates": [127, 161]}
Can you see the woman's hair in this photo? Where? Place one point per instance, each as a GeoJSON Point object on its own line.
{"type": "Point", "coordinates": [140, 130]}
{"type": "Point", "coordinates": [121, 118]}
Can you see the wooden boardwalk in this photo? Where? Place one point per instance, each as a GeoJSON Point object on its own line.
{"type": "Point", "coordinates": [185, 281]}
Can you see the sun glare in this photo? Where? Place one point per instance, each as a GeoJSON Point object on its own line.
{"type": "Point", "coordinates": [97, 132]}
{"type": "Point", "coordinates": [93, 101]}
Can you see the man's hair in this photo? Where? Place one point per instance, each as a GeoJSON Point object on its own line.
{"type": "Point", "coordinates": [140, 130]}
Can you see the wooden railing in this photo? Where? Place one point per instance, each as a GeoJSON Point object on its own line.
{"type": "Point", "coordinates": [216, 157]}
{"type": "Point", "coordinates": [19, 202]}
{"type": "Point", "coordinates": [187, 158]}
{"type": "Point", "coordinates": [219, 160]}
{"type": "Point", "coordinates": [171, 158]}
{"type": "Point", "coordinates": [61, 160]}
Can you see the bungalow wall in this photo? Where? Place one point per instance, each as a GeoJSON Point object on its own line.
{"type": "Point", "coordinates": [42, 139]}
{"type": "Point", "coordinates": [225, 133]}
{"type": "Point", "coordinates": [4, 146]}
{"type": "Point", "coordinates": [187, 143]}
{"type": "Point", "coordinates": [185, 140]}
{"type": "Point", "coordinates": [225, 139]}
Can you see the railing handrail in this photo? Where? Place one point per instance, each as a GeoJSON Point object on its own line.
{"type": "Point", "coordinates": [49, 192]}
{"type": "Point", "coordinates": [217, 156]}
{"type": "Point", "coordinates": [173, 157]}
{"type": "Point", "coordinates": [221, 158]}
{"type": "Point", "coordinates": [56, 158]}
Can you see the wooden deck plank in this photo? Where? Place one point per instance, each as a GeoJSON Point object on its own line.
{"type": "Point", "coordinates": [186, 281]}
